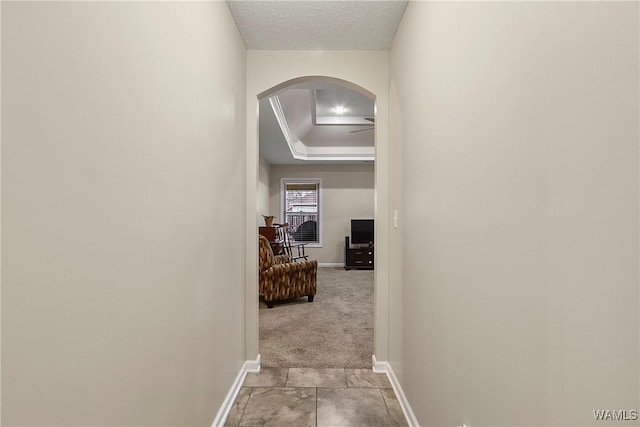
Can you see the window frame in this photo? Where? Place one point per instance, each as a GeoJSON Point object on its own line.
{"type": "Point", "coordinates": [318, 182]}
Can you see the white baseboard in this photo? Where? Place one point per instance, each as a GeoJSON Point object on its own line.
{"type": "Point", "coordinates": [379, 367]}
{"type": "Point", "coordinates": [331, 264]}
{"type": "Point", "coordinates": [384, 367]}
{"type": "Point", "coordinates": [252, 366]}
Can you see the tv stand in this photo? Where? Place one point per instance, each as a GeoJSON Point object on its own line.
{"type": "Point", "coordinates": [357, 257]}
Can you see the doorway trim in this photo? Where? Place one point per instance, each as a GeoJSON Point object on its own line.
{"type": "Point", "coordinates": [270, 71]}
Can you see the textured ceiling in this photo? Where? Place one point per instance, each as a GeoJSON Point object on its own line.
{"type": "Point", "coordinates": [317, 24]}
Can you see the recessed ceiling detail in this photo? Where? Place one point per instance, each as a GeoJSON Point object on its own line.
{"type": "Point", "coordinates": [339, 106]}
{"type": "Point", "coordinates": [291, 131]}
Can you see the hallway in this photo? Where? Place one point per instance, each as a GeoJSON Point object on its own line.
{"type": "Point", "coordinates": [507, 206]}
{"type": "Point", "coordinates": [316, 397]}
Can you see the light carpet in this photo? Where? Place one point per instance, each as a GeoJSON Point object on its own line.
{"type": "Point", "coordinates": [333, 331]}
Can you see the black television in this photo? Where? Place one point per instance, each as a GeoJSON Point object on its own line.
{"type": "Point", "coordinates": [361, 231]}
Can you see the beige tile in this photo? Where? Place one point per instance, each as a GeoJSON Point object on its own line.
{"type": "Point", "coordinates": [233, 419]}
{"type": "Point", "coordinates": [280, 407]}
{"type": "Point", "coordinates": [393, 405]}
{"type": "Point", "coordinates": [309, 377]}
{"type": "Point", "coordinates": [352, 407]}
{"type": "Point", "coordinates": [366, 378]}
{"type": "Point", "coordinates": [267, 377]}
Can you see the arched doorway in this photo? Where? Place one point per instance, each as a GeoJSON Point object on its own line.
{"type": "Point", "coordinates": [268, 72]}
{"type": "Point", "coordinates": [318, 132]}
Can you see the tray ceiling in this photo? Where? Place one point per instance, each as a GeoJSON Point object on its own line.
{"type": "Point", "coordinates": [293, 131]}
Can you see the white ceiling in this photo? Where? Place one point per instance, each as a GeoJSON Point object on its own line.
{"type": "Point", "coordinates": [355, 105]}
{"type": "Point", "coordinates": [317, 24]}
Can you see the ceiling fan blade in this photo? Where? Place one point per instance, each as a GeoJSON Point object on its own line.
{"type": "Point", "coordinates": [361, 130]}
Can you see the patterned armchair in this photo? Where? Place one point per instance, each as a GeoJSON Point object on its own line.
{"type": "Point", "coordinates": [282, 279]}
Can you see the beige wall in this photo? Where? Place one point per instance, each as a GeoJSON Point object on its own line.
{"type": "Point", "coordinates": [519, 133]}
{"type": "Point", "coordinates": [347, 192]}
{"type": "Point", "coordinates": [123, 173]}
{"type": "Point", "coordinates": [368, 70]}
{"type": "Point", "coordinates": [263, 190]}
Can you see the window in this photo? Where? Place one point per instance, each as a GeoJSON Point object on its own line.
{"type": "Point", "coordinates": [300, 202]}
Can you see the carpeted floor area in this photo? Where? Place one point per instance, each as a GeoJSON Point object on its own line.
{"type": "Point", "coordinates": [334, 331]}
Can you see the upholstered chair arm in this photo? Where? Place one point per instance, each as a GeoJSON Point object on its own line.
{"type": "Point", "coordinates": [293, 267]}
{"type": "Point", "coordinates": [280, 273]}
{"type": "Point", "coordinates": [290, 280]}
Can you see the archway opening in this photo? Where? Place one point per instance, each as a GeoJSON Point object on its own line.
{"type": "Point", "coordinates": [320, 129]}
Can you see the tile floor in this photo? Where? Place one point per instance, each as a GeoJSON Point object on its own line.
{"type": "Point", "coordinates": [284, 397]}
